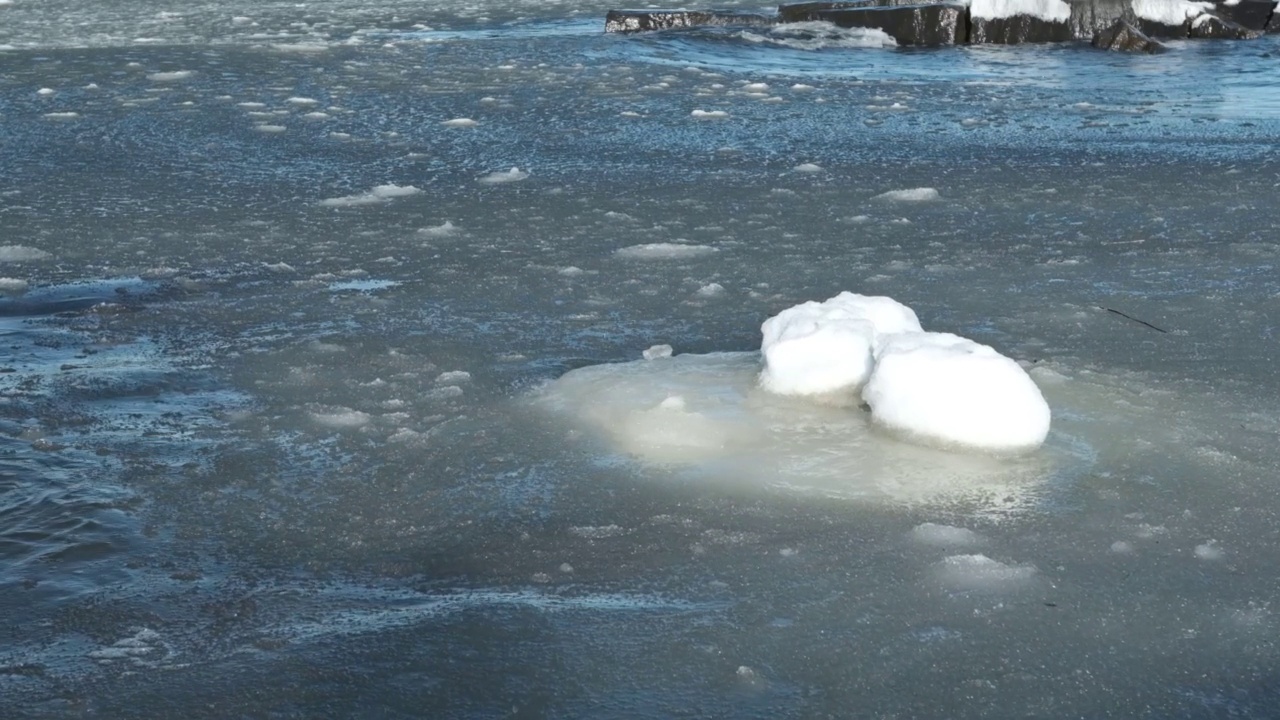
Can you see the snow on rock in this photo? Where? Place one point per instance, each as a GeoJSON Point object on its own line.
{"type": "Point", "coordinates": [664, 251]}
{"type": "Point", "coordinates": [376, 196]}
{"type": "Point", "coordinates": [1049, 10]}
{"type": "Point", "coordinates": [1169, 12]}
{"type": "Point", "coordinates": [911, 195]}
{"type": "Point", "coordinates": [950, 390]}
{"type": "Point", "coordinates": [979, 572]}
{"type": "Point", "coordinates": [824, 348]}
{"type": "Point", "coordinates": [515, 174]}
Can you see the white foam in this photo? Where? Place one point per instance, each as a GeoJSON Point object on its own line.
{"type": "Point", "coordinates": [444, 229]}
{"type": "Point", "coordinates": [979, 572]}
{"type": "Point", "coordinates": [945, 536]}
{"type": "Point", "coordinates": [664, 251]}
{"type": "Point", "coordinates": [1169, 12]}
{"type": "Point", "coordinates": [656, 352]}
{"type": "Point", "coordinates": [460, 122]}
{"type": "Point", "coordinates": [709, 114]}
{"type": "Point", "coordinates": [911, 195]}
{"type": "Point", "coordinates": [943, 388]}
{"type": "Point", "coordinates": [515, 174]}
{"type": "Point", "coordinates": [820, 35]}
{"type": "Point", "coordinates": [22, 253]}
{"type": "Point", "coordinates": [171, 76]}
{"type": "Point", "coordinates": [826, 348]}
{"type": "Point", "coordinates": [1048, 10]}
{"type": "Point", "coordinates": [379, 194]}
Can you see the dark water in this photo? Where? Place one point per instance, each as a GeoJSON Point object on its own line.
{"type": "Point", "coordinates": [244, 474]}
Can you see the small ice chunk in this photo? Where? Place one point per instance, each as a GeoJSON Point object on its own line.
{"type": "Point", "coordinates": [444, 229]}
{"type": "Point", "coordinates": [22, 253]}
{"type": "Point", "coordinates": [13, 286]}
{"type": "Point", "coordinates": [241, 20]}
{"type": "Point", "coordinates": [460, 122]}
{"type": "Point", "coordinates": [302, 101]}
{"type": "Point", "coordinates": [171, 76]}
{"type": "Point", "coordinates": [341, 418]}
{"type": "Point", "coordinates": [62, 115]}
{"type": "Point", "coordinates": [711, 290]}
{"type": "Point", "coordinates": [945, 536]}
{"type": "Point", "coordinates": [822, 348]}
{"type": "Point", "coordinates": [951, 390]}
{"type": "Point", "coordinates": [46, 91]}
{"type": "Point", "coordinates": [270, 129]}
{"type": "Point", "coordinates": [379, 194]}
{"type": "Point", "coordinates": [453, 377]}
{"type": "Point", "coordinates": [515, 174]}
{"type": "Point", "coordinates": [571, 271]}
{"type": "Point", "coordinates": [979, 572]}
{"type": "Point", "coordinates": [664, 251]}
{"type": "Point", "coordinates": [316, 116]}
{"type": "Point", "coordinates": [756, 87]}
{"type": "Point", "coordinates": [801, 87]}
{"type": "Point", "coordinates": [911, 195]}
{"type": "Point", "coordinates": [709, 114]}
{"type": "Point", "coordinates": [658, 351]}
{"type": "Point", "coordinates": [1209, 551]}
{"type": "Point", "coordinates": [807, 168]}
{"type": "Point", "coordinates": [1120, 547]}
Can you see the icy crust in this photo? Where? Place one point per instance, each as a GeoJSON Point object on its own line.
{"type": "Point", "coordinates": [934, 387]}
{"type": "Point", "coordinates": [825, 348]}
{"type": "Point", "coordinates": [951, 390]}
{"type": "Point", "coordinates": [1047, 10]}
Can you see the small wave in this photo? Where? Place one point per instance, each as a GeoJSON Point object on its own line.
{"type": "Point", "coordinates": [820, 36]}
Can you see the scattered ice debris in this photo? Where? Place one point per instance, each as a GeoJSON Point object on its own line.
{"type": "Point", "coordinates": [515, 174]}
{"type": "Point", "coordinates": [598, 532]}
{"type": "Point", "coordinates": [341, 418]}
{"type": "Point", "coordinates": [657, 351]}
{"type": "Point", "coordinates": [460, 122]}
{"type": "Point", "coordinates": [945, 536]}
{"type": "Point", "coordinates": [823, 348]}
{"type": "Point", "coordinates": [1209, 551]}
{"type": "Point", "coordinates": [22, 253]}
{"type": "Point", "coordinates": [709, 114]}
{"type": "Point", "coordinates": [444, 229]}
{"type": "Point", "coordinates": [912, 195]}
{"type": "Point", "coordinates": [807, 168]}
{"type": "Point", "coordinates": [664, 251]}
{"type": "Point", "coordinates": [711, 290]}
{"type": "Point", "coordinates": [145, 648]}
{"type": "Point", "coordinates": [979, 572]}
{"type": "Point", "coordinates": [378, 195]}
{"type": "Point", "coordinates": [173, 76]}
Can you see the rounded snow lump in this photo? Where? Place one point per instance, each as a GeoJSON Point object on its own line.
{"type": "Point", "coordinates": [821, 348]}
{"type": "Point", "coordinates": [951, 390]}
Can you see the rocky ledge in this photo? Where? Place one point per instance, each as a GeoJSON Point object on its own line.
{"type": "Point", "coordinates": [1125, 25]}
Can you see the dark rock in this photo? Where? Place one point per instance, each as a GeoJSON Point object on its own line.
{"type": "Point", "coordinates": [1124, 37]}
{"type": "Point", "coordinates": [940, 24]}
{"type": "Point", "coordinates": [1250, 14]}
{"type": "Point", "coordinates": [1018, 29]}
{"type": "Point", "coordinates": [1212, 27]}
{"type": "Point", "coordinates": [627, 21]}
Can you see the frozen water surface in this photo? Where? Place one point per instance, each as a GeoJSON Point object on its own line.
{"type": "Point", "coordinates": [314, 423]}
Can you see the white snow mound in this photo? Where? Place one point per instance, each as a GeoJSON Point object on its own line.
{"type": "Point", "coordinates": [825, 348]}
{"type": "Point", "coordinates": [1048, 10]}
{"type": "Point", "coordinates": [950, 390]}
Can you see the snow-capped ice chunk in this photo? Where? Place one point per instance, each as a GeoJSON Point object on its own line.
{"type": "Point", "coordinates": [910, 195]}
{"type": "Point", "coordinates": [1048, 10]}
{"type": "Point", "coordinates": [711, 290]}
{"type": "Point", "coordinates": [378, 195]}
{"type": "Point", "coordinates": [453, 377]}
{"type": "Point", "coordinates": [46, 91]}
{"type": "Point", "coordinates": [302, 101]}
{"type": "Point", "coordinates": [979, 572]}
{"type": "Point", "coordinates": [946, 389]}
{"type": "Point", "coordinates": [444, 229]}
{"type": "Point", "coordinates": [823, 348]}
{"type": "Point", "coordinates": [22, 253]}
{"type": "Point", "coordinates": [945, 536]}
{"type": "Point", "coordinates": [664, 251]}
{"type": "Point", "coordinates": [807, 168]}
{"type": "Point", "coordinates": [460, 122]}
{"type": "Point", "coordinates": [515, 174]}
{"type": "Point", "coordinates": [657, 351]}
{"type": "Point", "coordinates": [1169, 12]}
